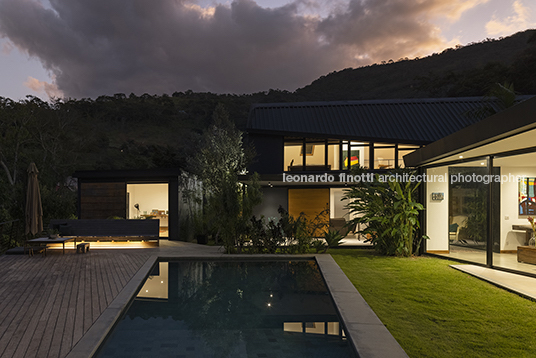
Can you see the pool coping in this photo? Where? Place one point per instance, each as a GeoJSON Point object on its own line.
{"type": "Point", "coordinates": [369, 337]}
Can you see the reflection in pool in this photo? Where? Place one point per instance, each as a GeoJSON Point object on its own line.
{"type": "Point", "coordinates": [230, 309]}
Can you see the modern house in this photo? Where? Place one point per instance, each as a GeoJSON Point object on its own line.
{"type": "Point", "coordinates": [481, 190]}
{"type": "Point", "coordinates": [134, 194]}
{"type": "Point", "coordinates": [305, 150]}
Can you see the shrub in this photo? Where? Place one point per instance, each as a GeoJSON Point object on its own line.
{"type": "Point", "coordinates": [390, 212]}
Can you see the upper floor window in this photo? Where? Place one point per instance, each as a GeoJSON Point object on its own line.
{"type": "Point", "coordinates": [310, 154]}
{"type": "Point", "coordinates": [384, 156]}
{"type": "Point", "coordinates": [404, 149]}
{"type": "Point", "coordinates": [305, 154]}
{"type": "Point", "coordinates": [355, 154]}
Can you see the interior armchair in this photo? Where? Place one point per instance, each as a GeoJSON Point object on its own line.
{"type": "Point", "coordinates": [457, 222]}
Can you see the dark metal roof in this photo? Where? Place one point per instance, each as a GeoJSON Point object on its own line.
{"type": "Point", "coordinates": [128, 174]}
{"type": "Point", "coordinates": [419, 121]}
{"type": "Point", "coordinates": [512, 121]}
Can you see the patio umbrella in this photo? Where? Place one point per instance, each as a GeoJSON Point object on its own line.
{"type": "Point", "coordinates": [34, 210]}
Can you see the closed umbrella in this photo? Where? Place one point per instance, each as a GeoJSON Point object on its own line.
{"type": "Point", "coordinates": [34, 210]}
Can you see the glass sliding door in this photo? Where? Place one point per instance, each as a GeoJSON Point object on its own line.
{"type": "Point", "coordinates": [457, 215]}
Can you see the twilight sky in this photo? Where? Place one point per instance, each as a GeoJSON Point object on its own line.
{"type": "Point", "coordinates": [87, 48]}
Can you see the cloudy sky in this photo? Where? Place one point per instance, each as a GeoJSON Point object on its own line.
{"type": "Point", "coordinates": [86, 48]}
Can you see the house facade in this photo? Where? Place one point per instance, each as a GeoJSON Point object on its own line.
{"type": "Point", "coordinates": [132, 194]}
{"type": "Point", "coordinates": [480, 190]}
{"type": "Point", "coordinates": [306, 150]}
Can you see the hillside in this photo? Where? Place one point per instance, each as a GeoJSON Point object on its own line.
{"type": "Point", "coordinates": [150, 131]}
{"type": "Point", "coordinates": [129, 131]}
{"type": "Point", "coordinates": [465, 71]}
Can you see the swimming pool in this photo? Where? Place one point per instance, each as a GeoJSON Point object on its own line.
{"type": "Point", "coordinates": [230, 309]}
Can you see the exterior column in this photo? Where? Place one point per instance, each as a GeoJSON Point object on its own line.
{"type": "Point", "coordinates": [422, 215]}
{"type": "Point", "coordinates": [489, 241]}
{"type": "Point", "coordinates": [173, 205]}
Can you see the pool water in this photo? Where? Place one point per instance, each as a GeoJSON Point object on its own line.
{"type": "Point", "coordinates": [230, 309]}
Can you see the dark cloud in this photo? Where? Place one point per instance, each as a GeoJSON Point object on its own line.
{"type": "Point", "coordinates": [95, 47]}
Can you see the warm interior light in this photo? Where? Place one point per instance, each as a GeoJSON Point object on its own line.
{"type": "Point", "coordinates": [461, 156]}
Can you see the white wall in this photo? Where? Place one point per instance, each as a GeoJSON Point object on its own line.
{"type": "Point", "coordinates": [437, 212]}
{"type": "Point", "coordinates": [510, 239]}
{"type": "Point", "coordinates": [319, 155]}
{"type": "Point", "coordinates": [337, 207]}
{"type": "Point", "coordinates": [333, 156]}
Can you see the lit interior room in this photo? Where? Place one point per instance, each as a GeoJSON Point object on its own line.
{"type": "Point", "coordinates": [480, 211]}
{"type": "Point", "coordinates": [149, 201]}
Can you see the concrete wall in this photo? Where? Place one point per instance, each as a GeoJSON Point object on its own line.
{"type": "Point", "coordinates": [437, 212]}
{"type": "Point", "coordinates": [272, 198]}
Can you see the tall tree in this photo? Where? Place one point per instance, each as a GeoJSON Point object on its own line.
{"type": "Point", "coordinates": [221, 158]}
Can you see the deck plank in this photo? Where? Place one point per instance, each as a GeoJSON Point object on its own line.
{"type": "Point", "coordinates": [47, 303]}
{"type": "Point", "coordinates": [67, 337]}
{"type": "Point", "coordinates": [16, 271]}
{"type": "Point", "coordinates": [28, 329]}
{"type": "Point", "coordinates": [78, 329]}
{"type": "Point", "coordinates": [88, 318]}
{"type": "Point", "coordinates": [21, 297]}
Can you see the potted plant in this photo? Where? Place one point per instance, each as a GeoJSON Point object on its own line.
{"type": "Point", "coordinates": [52, 233]}
{"type": "Point", "coordinates": [200, 229]}
{"type": "Point", "coordinates": [532, 240]}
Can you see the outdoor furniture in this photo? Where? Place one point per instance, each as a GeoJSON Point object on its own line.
{"type": "Point", "coordinates": [57, 240]}
{"type": "Point", "coordinates": [36, 250]}
{"type": "Point", "coordinates": [108, 230]}
{"type": "Point", "coordinates": [82, 248]}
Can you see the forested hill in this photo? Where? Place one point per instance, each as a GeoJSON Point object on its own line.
{"type": "Point", "coordinates": [464, 71]}
{"type": "Point", "coordinates": [129, 131]}
{"type": "Point", "coordinates": [126, 131]}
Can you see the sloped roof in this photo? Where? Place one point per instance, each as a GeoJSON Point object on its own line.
{"type": "Point", "coordinates": [510, 122]}
{"type": "Point", "coordinates": [418, 121]}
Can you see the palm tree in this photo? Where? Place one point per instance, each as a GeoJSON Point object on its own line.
{"type": "Point", "coordinates": [498, 98]}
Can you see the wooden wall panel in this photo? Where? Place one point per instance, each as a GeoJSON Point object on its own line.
{"type": "Point", "coordinates": [309, 201]}
{"type": "Point", "coordinates": [103, 200]}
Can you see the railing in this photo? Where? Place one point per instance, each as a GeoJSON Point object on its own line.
{"type": "Point", "coordinates": [10, 233]}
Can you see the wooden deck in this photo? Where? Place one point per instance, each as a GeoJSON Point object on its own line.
{"type": "Point", "coordinates": [48, 303]}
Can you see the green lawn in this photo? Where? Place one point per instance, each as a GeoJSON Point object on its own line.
{"type": "Point", "coordinates": [436, 311]}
